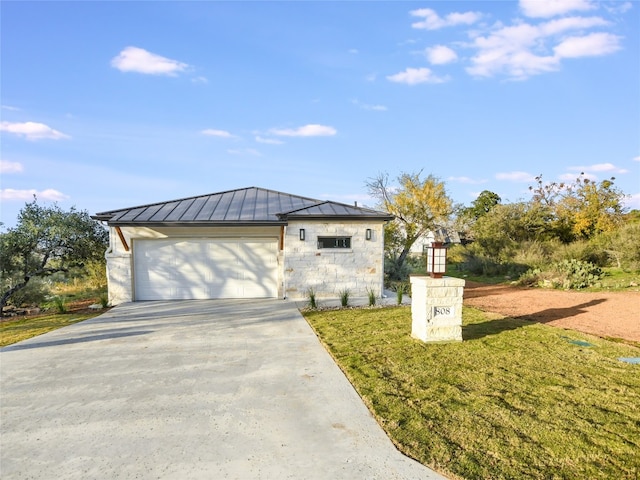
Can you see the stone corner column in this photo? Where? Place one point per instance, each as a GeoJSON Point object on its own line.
{"type": "Point", "coordinates": [436, 308]}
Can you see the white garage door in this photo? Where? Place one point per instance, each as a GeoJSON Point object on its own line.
{"type": "Point", "coordinates": [183, 269]}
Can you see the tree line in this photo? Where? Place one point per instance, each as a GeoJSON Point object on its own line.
{"type": "Point", "coordinates": [583, 222]}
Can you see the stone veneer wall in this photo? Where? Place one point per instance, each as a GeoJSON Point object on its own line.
{"type": "Point", "coordinates": [328, 271]}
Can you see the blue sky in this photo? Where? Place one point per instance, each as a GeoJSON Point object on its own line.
{"type": "Point", "coordinates": [115, 104]}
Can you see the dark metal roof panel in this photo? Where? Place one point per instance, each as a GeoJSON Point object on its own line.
{"type": "Point", "coordinates": [242, 206]}
{"type": "Point", "coordinates": [179, 211]}
{"type": "Point", "coordinates": [162, 214]}
{"type": "Point", "coordinates": [194, 209]}
{"type": "Point", "coordinates": [236, 204]}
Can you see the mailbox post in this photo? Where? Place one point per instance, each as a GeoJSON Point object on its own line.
{"type": "Point", "coordinates": [436, 300]}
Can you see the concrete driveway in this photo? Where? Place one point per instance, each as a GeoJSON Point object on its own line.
{"type": "Point", "coordinates": [187, 390]}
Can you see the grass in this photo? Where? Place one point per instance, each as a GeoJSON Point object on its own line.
{"type": "Point", "coordinates": [12, 331]}
{"type": "Point", "coordinates": [68, 305]}
{"type": "Point", "coordinates": [616, 279]}
{"type": "Point", "coordinates": [515, 399]}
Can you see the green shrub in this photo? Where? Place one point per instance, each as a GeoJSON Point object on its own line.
{"type": "Point", "coordinates": [400, 288]}
{"type": "Point", "coordinates": [95, 274]}
{"type": "Point", "coordinates": [60, 304]}
{"type": "Point", "coordinates": [35, 293]}
{"type": "Point", "coordinates": [535, 254]}
{"type": "Point", "coordinates": [372, 296]}
{"type": "Point", "coordinates": [582, 250]}
{"type": "Point", "coordinates": [104, 300]}
{"type": "Point", "coordinates": [311, 295]}
{"type": "Point", "coordinates": [567, 274]}
{"type": "Point", "coordinates": [344, 297]}
{"type": "Point", "coordinates": [623, 247]}
{"type": "Point", "coordinates": [394, 272]}
{"type": "Point", "coordinates": [456, 253]}
{"type": "Point", "coordinates": [481, 265]}
{"type": "Point", "coordinates": [578, 273]}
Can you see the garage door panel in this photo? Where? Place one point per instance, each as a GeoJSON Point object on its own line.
{"type": "Point", "coordinates": [205, 268]}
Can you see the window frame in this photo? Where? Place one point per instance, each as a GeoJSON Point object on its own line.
{"type": "Point", "coordinates": [342, 242]}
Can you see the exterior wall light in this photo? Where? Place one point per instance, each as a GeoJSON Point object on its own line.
{"type": "Point", "coordinates": [302, 234]}
{"type": "Point", "coordinates": [436, 259]}
{"type": "Point", "coordinates": [367, 234]}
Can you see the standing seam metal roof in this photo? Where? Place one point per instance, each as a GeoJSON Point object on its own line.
{"type": "Point", "coordinates": [241, 206]}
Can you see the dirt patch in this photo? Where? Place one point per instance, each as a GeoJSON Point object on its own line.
{"type": "Point", "coordinates": [605, 314]}
{"type": "Point", "coordinates": [75, 306]}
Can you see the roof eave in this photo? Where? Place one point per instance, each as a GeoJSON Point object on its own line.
{"type": "Point", "coordinates": [381, 218]}
{"type": "Point", "coordinates": [197, 224]}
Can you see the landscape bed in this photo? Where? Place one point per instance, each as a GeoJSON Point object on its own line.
{"type": "Point", "coordinates": [515, 399]}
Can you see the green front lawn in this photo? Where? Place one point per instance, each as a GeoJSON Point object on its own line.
{"type": "Point", "coordinates": [515, 399]}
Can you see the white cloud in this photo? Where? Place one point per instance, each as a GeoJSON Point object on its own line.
{"type": "Point", "coordinates": [269, 141]}
{"type": "Point", "coordinates": [570, 177]}
{"type": "Point", "coordinates": [32, 130]}
{"type": "Point", "coordinates": [354, 51]}
{"type": "Point", "coordinates": [27, 195]}
{"type": "Point", "coordinates": [200, 79]}
{"type": "Point", "coordinates": [636, 159]}
{"type": "Point", "coordinates": [598, 167]}
{"type": "Point", "coordinates": [555, 27]}
{"type": "Point", "coordinates": [522, 50]}
{"type": "Point", "coordinates": [632, 201]}
{"type": "Point", "coordinates": [367, 106]}
{"type": "Point", "coordinates": [440, 55]}
{"type": "Point", "coordinates": [415, 76]}
{"type": "Point", "coordinates": [592, 45]}
{"type": "Point", "coordinates": [211, 132]}
{"type": "Point", "coordinates": [311, 130]}
{"type": "Point", "coordinates": [432, 21]}
{"type": "Point", "coordinates": [516, 176]}
{"type": "Point", "coordinates": [10, 167]}
{"type": "Point", "coordinates": [467, 180]}
{"type": "Point", "coordinates": [10, 108]}
{"type": "Point", "coordinates": [134, 59]}
{"type": "Point", "coordinates": [618, 7]}
{"type": "Point", "coordinates": [376, 108]}
{"type": "Point", "coordinates": [551, 8]}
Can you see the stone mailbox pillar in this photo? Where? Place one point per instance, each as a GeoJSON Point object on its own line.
{"type": "Point", "coordinates": [436, 308]}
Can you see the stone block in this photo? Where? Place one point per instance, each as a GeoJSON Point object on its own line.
{"type": "Point", "coordinates": [436, 308]}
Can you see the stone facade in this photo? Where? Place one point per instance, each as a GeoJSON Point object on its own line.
{"type": "Point", "coordinates": [301, 265]}
{"type": "Point", "coordinates": [436, 308]}
{"type": "Point", "coordinates": [331, 270]}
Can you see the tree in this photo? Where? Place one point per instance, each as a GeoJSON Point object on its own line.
{"type": "Point", "coordinates": [500, 232]}
{"type": "Point", "coordinates": [484, 203]}
{"type": "Point", "coordinates": [466, 217]}
{"type": "Point", "coordinates": [582, 209]}
{"type": "Point", "coordinates": [419, 206]}
{"type": "Point", "coordinates": [47, 240]}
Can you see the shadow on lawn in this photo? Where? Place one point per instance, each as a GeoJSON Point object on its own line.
{"type": "Point", "coordinates": [494, 327]}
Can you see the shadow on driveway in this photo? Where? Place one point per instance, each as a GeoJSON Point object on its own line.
{"type": "Point", "coordinates": [188, 390]}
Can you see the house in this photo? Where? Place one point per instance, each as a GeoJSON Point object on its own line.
{"type": "Point", "coordinates": [244, 243]}
{"type": "Point", "coordinates": [446, 236]}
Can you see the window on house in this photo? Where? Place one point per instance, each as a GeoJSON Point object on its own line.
{"type": "Point", "coordinates": [334, 242]}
